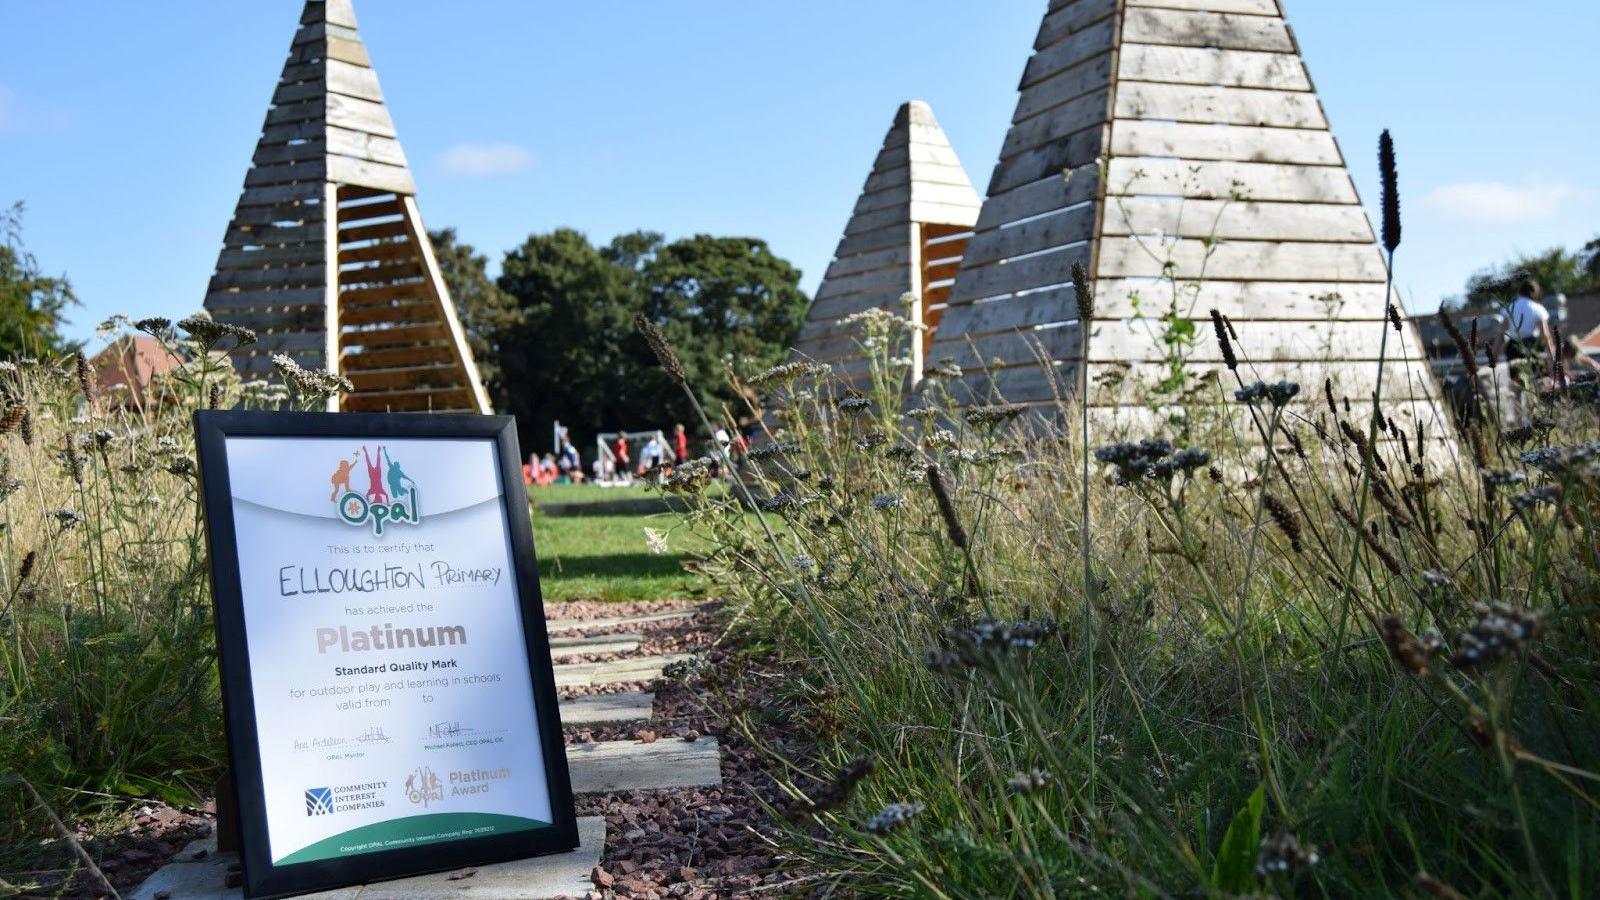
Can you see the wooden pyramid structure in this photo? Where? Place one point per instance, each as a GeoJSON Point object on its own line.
{"type": "Point", "coordinates": [1178, 150]}
{"type": "Point", "coordinates": [906, 235]}
{"type": "Point", "coordinates": [326, 257]}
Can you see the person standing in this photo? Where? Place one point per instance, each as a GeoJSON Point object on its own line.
{"type": "Point", "coordinates": [680, 443]}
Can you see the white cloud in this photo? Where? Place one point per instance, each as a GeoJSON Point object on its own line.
{"type": "Point", "coordinates": [484, 160]}
{"type": "Point", "coordinates": [1497, 201]}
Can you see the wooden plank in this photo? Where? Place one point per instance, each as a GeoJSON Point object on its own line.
{"type": "Point", "coordinates": [269, 234]}
{"type": "Point", "coordinates": [1117, 384]}
{"type": "Point", "coordinates": [1047, 307]}
{"type": "Point", "coordinates": [307, 170]}
{"type": "Point", "coordinates": [362, 212]}
{"type": "Point", "coordinates": [1224, 142]}
{"type": "Point", "coordinates": [296, 213]}
{"type": "Point", "coordinates": [1079, 149]}
{"type": "Point", "coordinates": [360, 82]}
{"type": "Point", "coordinates": [292, 131]}
{"type": "Point", "coordinates": [280, 194]}
{"type": "Point", "coordinates": [304, 111]}
{"type": "Point", "coordinates": [286, 342]}
{"type": "Point", "coordinates": [1028, 273]}
{"type": "Point", "coordinates": [345, 170]}
{"type": "Point", "coordinates": [418, 310]}
{"type": "Point", "coordinates": [1048, 194]}
{"type": "Point", "coordinates": [1090, 75]}
{"type": "Point", "coordinates": [1202, 65]}
{"type": "Point", "coordinates": [445, 375]}
{"type": "Point", "coordinates": [896, 278]}
{"type": "Point", "coordinates": [893, 235]}
{"type": "Point", "coordinates": [1011, 348]}
{"type": "Point", "coordinates": [441, 296]}
{"type": "Point", "coordinates": [935, 213]}
{"type": "Point", "coordinates": [1188, 258]}
{"type": "Point", "coordinates": [268, 154]}
{"type": "Point", "coordinates": [278, 319]}
{"type": "Point", "coordinates": [834, 308]}
{"type": "Point", "coordinates": [289, 92]}
{"type": "Point", "coordinates": [1140, 340]}
{"type": "Point", "coordinates": [868, 262]}
{"type": "Point", "coordinates": [1019, 384]}
{"type": "Point", "coordinates": [1245, 7]}
{"type": "Point", "coordinates": [1228, 105]}
{"type": "Point", "coordinates": [347, 51]}
{"type": "Point", "coordinates": [1057, 122]}
{"type": "Point", "coordinates": [356, 297]}
{"type": "Point", "coordinates": [610, 766]}
{"type": "Point", "coordinates": [1225, 31]}
{"type": "Point", "coordinates": [1245, 220]}
{"type": "Point", "coordinates": [944, 199]}
{"type": "Point", "coordinates": [393, 336]}
{"type": "Point", "coordinates": [288, 276]}
{"type": "Point", "coordinates": [1230, 180]}
{"type": "Point", "coordinates": [394, 357]}
{"type": "Point", "coordinates": [1070, 51]}
{"type": "Point", "coordinates": [301, 253]}
{"type": "Point", "coordinates": [378, 231]}
{"type": "Point", "coordinates": [445, 400]}
{"type": "Point", "coordinates": [359, 115]}
{"type": "Point", "coordinates": [376, 275]}
{"type": "Point", "coordinates": [385, 250]}
{"type": "Point", "coordinates": [1069, 226]}
{"type": "Point", "coordinates": [361, 145]}
{"type": "Point", "coordinates": [882, 199]}
{"type": "Point", "coordinates": [1310, 301]}
{"type": "Point", "coordinates": [1070, 18]}
{"type": "Point", "coordinates": [217, 301]}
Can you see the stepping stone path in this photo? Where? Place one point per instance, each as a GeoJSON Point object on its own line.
{"type": "Point", "coordinates": [596, 767]}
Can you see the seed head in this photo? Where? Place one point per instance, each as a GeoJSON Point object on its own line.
{"type": "Point", "coordinates": [665, 355]}
{"type": "Point", "coordinates": [12, 418]}
{"type": "Point", "coordinates": [1220, 325]}
{"type": "Point", "coordinates": [1285, 519]}
{"type": "Point", "coordinates": [26, 426]}
{"type": "Point", "coordinates": [214, 396]}
{"type": "Point", "coordinates": [1284, 853]}
{"type": "Point", "coordinates": [947, 507]}
{"type": "Point", "coordinates": [1394, 317]}
{"type": "Point", "coordinates": [1389, 176]}
{"type": "Point", "coordinates": [85, 375]}
{"type": "Point", "coordinates": [893, 816]}
{"type": "Point", "coordinates": [1084, 294]}
{"type": "Point", "coordinates": [1404, 646]}
{"type": "Point", "coordinates": [26, 569]}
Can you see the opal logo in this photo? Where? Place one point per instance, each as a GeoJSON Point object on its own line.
{"type": "Point", "coordinates": [319, 801]}
{"type": "Point", "coordinates": [391, 494]}
{"type": "Point", "coordinates": [423, 787]}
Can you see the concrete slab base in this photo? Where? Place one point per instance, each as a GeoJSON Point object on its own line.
{"type": "Point", "coordinates": [555, 625]}
{"type": "Point", "coordinates": [558, 875]}
{"type": "Point", "coordinates": [572, 645]}
{"type": "Point", "coordinates": [642, 668]}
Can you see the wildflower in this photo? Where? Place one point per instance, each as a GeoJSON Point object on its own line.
{"type": "Point", "coordinates": [9, 486]}
{"type": "Point", "coordinates": [778, 502]}
{"type": "Point", "coordinates": [788, 372]}
{"type": "Point", "coordinates": [208, 331]}
{"type": "Point", "coordinates": [1503, 478]}
{"type": "Point", "coordinates": [922, 412]}
{"type": "Point", "coordinates": [980, 416]}
{"type": "Point", "coordinates": [1576, 460]}
{"type": "Point", "coordinates": [940, 438]}
{"type": "Point", "coordinates": [689, 477]}
{"type": "Point", "coordinates": [766, 451]}
{"type": "Point", "coordinates": [893, 816]}
{"type": "Point", "coordinates": [1435, 580]}
{"type": "Point", "coordinates": [1549, 493]}
{"type": "Point", "coordinates": [214, 396]}
{"type": "Point", "coordinates": [1278, 394]}
{"type": "Point", "coordinates": [25, 570]}
{"type": "Point", "coordinates": [987, 638]}
{"type": "Point", "coordinates": [66, 518]}
{"type": "Point", "coordinates": [155, 325]}
{"type": "Point", "coordinates": [103, 437]}
{"type": "Point", "coordinates": [900, 452]}
{"type": "Point", "coordinates": [1498, 631]}
{"type": "Point", "coordinates": [182, 466]}
{"type": "Point", "coordinates": [655, 542]}
{"type": "Point", "coordinates": [73, 460]}
{"type": "Point", "coordinates": [1283, 853]}
{"type": "Point", "coordinates": [1219, 325]}
{"type": "Point", "coordinates": [25, 427]}
{"type": "Point", "coordinates": [946, 368]}
{"type": "Point", "coordinates": [1029, 781]}
{"type": "Point", "coordinates": [1285, 519]}
{"type": "Point", "coordinates": [854, 404]}
{"type": "Point", "coordinates": [871, 439]}
{"type": "Point", "coordinates": [307, 381]}
{"type": "Point", "coordinates": [888, 501]}
{"type": "Point", "coordinates": [940, 660]}
{"type": "Point", "coordinates": [1404, 646]}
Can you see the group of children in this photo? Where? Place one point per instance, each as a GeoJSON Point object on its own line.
{"type": "Point", "coordinates": [615, 465]}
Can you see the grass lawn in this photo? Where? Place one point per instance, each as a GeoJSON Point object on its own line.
{"type": "Point", "coordinates": [605, 557]}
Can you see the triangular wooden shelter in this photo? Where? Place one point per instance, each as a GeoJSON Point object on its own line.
{"type": "Point", "coordinates": [1183, 138]}
{"type": "Point", "coordinates": [326, 257]}
{"type": "Point", "coordinates": [906, 236]}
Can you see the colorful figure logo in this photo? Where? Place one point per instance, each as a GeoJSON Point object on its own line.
{"type": "Point", "coordinates": [424, 787]}
{"type": "Point", "coordinates": [391, 494]}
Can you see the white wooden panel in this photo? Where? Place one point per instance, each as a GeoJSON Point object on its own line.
{"type": "Point", "coordinates": [1044, 195]}
{"type": "Point", "coordinates": [1188, 258]}
{"type": "Point", "coordinates": [1136, 340]}
{"type": "Point", "coordinates": [1245, 7]}
{"type": "Point", "coordinates": [1204, 29]}
{"type": "Point", "coordinates": [1226, 105]}
{"type": "Point", "coordinates": [1068, 227]}
{"type": "Point", "coordinates": [1204, 65]}
{"type": "Point", "coordinates": [1230, 180]}
{"type": "Point", "coordinates": [1224, 142]}
{"type": "Point", "coordinates": [1224, 219]}
{"type": "Point", "coordinates": [1311, 301]}
{"type": "Point", "coordinates": [1028, 273]}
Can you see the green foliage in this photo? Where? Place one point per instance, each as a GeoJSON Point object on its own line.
{"type": "Point", "coordinates": [556, 328]}
{"type": "Point", "coordinates": [32, 304]}
{"type": "Point", "coordinates": [1233, 871]}
{"type": "Point", "coordinates": [1558, 270]}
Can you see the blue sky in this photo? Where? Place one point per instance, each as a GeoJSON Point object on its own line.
{"type": "Point", "coordinates": [127, 131]}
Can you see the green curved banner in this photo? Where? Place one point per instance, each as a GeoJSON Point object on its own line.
{"type": "Point", "coordinates": [411, 831]}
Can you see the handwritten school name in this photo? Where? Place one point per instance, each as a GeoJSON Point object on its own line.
{"type": "Point", "coordinates": [294, 581]}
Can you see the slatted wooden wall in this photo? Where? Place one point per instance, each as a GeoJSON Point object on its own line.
{"type": "Point", "coordinates": [906, 235]}
{"type": "Point", "coordinates": [1174, 121]}
{"type": "Point", "coordinates": [326, 257]}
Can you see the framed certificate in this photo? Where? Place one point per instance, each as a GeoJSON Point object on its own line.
{"type": "Point", "coordinates": [386, 676]}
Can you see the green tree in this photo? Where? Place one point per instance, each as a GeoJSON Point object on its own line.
{"type": "Point", "coordinates": [720, 300]}
{"type": "Point", "coordinates": [32, 305]}
{"type": "Point", "coordinates": [1558, 270]}
{"type": "Point", "coordinates": [484, 309]}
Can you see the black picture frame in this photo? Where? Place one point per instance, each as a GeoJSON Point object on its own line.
{"type": "Point", "coordinates": [261, 877]}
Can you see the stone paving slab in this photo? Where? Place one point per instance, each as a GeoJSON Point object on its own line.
{"type": "Point", "coordinates": [555, 625]}
{"type": "Point", "coordinates": [610, 643]}
{"type": "Point", "coordinates": [629, 706]}
{"type": "Point", "coordinates": [641, 668]}
{"type": "Point", "coordinates": [634, 766]}
{"type": "Point", "coordinates": [558, 875]}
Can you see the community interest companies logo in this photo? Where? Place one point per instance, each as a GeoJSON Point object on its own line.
{"type": "Point", "coordinates": [391, 494]}
{"type": "Point", "coordinates": [319, 801]}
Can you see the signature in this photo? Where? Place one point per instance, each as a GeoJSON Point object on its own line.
{"type": "Point", "coordinates": [447, 729]}
{"type": "Point", "coordinates": [374, 734]}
